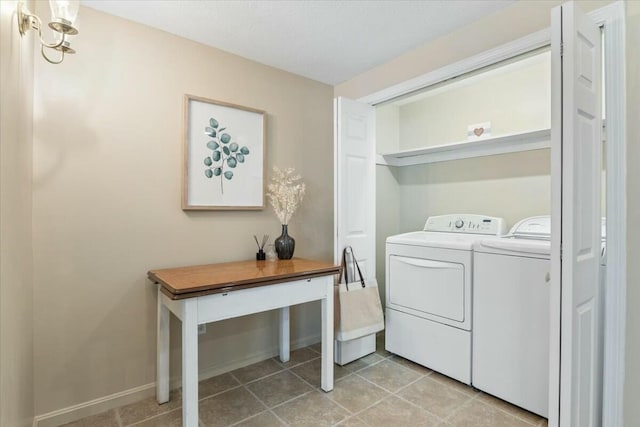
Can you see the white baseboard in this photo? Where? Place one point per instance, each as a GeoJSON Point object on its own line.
{"type": "Point", "coordinates": [93, 407]}
{"type": "Point", "coordinates": [126, 397]}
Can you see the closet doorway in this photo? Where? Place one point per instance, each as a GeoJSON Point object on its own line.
{"type": "Point", "coordinates": [609, 17]}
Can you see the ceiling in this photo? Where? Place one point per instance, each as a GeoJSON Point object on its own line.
{"type": "Point", "coordinates": [328, 41]}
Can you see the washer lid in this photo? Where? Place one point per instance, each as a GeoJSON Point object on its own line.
{"type": "Point", "coordinates": [539, 227]}
{"type": "Point", "coordinates": [514, 246]}
{"type": "Point", "coordinates": [437, 239]}
{"type": "Point", "coordinates": [535, 227]}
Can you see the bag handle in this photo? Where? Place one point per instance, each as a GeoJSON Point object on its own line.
{"type": "Point", "coordinates": [349, 250]}
{"type": "Point", "coordinates": [343, 268]}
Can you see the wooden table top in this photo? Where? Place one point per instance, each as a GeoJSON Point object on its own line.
{"type": "Point", "coordinates": [188, 282]}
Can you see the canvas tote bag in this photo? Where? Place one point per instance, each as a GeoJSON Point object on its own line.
{"type": "Point", "coordinates": [357, 310]}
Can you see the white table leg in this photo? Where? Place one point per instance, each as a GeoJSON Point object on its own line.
{"type": "Point", "coordinates": [190, 363]}
{"type": "Point", "coordinates": [162, 362]}
{"type": "Point", "coordinates": [326, 382]}
{"type": "Point", "coordinates": [284, 334]}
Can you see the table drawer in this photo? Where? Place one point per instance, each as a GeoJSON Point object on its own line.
{"type": "Point", "coordinates": [231, 304]}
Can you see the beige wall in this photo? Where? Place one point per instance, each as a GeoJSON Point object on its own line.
{"type": "Point", "coordinates": [16, 279]}
{"type": "Point", "coordinates": [387, 195]}
{"type": "Point", "coordinates": [106, 202]}
{"type": "Point", "coordinates": [514, 98]}
{"type": "Point", "coordinates": [518, 20]}
{"type": "Point", "coordinates": [632, 374]}
{"type": "Point", "coordinates": [494, 186]}
{"type": "Point", "coordinates": [387, 128]}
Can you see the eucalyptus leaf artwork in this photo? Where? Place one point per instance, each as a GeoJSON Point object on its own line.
{"type": "Point", "coordinates": [224, 155]}
{"type": "Point", "coordinates": [223, 152]}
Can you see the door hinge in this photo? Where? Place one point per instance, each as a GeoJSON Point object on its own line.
{"type": "Point", "coordinates": [561, 49]}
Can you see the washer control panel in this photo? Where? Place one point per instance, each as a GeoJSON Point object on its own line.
{"type": "Point", "coordinates": [467, 223]}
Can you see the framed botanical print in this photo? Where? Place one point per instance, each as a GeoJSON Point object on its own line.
{"type": "Point", "coordinates": [224, 156]}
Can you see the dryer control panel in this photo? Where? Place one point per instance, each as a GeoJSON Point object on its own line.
{"type": "Point", "coordinates": [467, 223]}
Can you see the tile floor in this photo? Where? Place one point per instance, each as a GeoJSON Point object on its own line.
{"type": "Point", "coordinates": [378, 390]}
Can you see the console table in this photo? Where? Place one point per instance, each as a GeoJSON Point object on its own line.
{"type": "Point", "coordinates": [209, 293]}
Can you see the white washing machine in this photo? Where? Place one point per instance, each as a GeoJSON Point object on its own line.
{"type": "Point", "coordinates": [428, 291]}
{"type": "Point", "coordinates": [511, 315]}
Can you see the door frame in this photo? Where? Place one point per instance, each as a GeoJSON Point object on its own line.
{"type": "Point", "coordinates": [612, 19]}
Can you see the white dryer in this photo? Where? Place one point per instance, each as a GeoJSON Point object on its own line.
{"type": "Point", "coordinates": [511, 315]}
{"type": "Point", "coordinates": [428, 291]}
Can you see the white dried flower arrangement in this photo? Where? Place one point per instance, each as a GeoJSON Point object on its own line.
{"type": "Point", "coordinates": [285, 193]}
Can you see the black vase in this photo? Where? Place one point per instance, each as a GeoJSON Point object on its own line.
{"type": "Point", "coordinates": [285, 244]}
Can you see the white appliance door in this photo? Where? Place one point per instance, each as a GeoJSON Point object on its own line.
{"type": "Point", "coordinates": [427, 286]}
{"type": "Point", "coordinates": [355, 182]}
{"type": "Point", "coordinates": [576, 170]}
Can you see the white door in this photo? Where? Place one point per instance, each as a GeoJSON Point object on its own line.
{"type": "Point", "coordinates": [355, 182]}
{"type": "Point", "coordinates": [576, 171]}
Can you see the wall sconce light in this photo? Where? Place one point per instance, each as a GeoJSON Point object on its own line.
{"type": "Point", "coordinates": [63, 16]}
